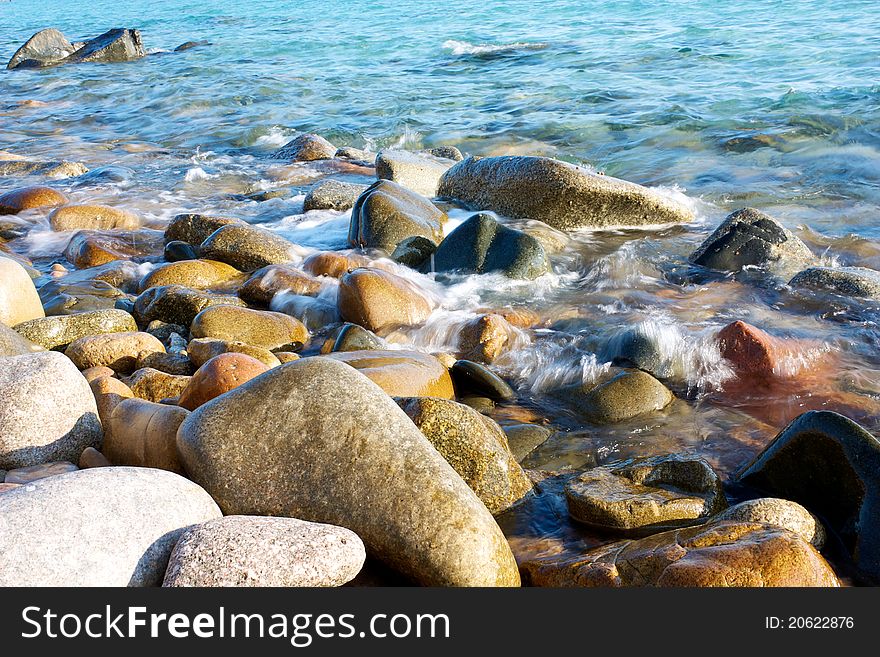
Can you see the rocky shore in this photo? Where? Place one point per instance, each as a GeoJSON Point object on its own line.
{"type": "Point", "coordinates": [236, 409]}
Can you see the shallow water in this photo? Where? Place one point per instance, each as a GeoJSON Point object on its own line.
{"type": "Point", "coordinates": [729, 103]}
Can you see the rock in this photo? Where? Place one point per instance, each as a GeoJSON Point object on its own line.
{"type": "Point", "coordinates": [46, 47]}
{"type": "Point", "coordinates": [401, 373]}
{"type": "Point", "coordinates": [135, 516]}
{"type": "Point", "coordinates": [316, 440]}
{"type": "Point", "coordinates": [144, 433]}
{"type": "Point", "coordinates": [481, 245]}
{"type": "Point", "coordinates": [247, 247]}
{"type": "Point", "coordinates": [848, 281]}
{"type": "Point", "coordinates": [92, 458]}
{"type": "Point", "coordinates": [387, 213]}
{"type": "Point", "coordinates": [446, 152]}
{"type": "Point", "coordinates": [47, 412]}
{"type": "Point", "coordinates": [414, 252]}
{"type": "Point", "coordinates": [176, 304]}
{"type": "Point", "coordinates": [644, 496]}
{"type": "Point", "coordinates": [475, 446]}
{"type": "Point", "coordinates": [265, 283]}
{"type": "Point", "coordinates": [34, 472]}
{"type": "Point", "coordinates": [753, 353]}
{"type": "Point", "coordinates": [333, 264]}
{"type": "Point", "coordinates": [178, 364]}
{"type": "Point", "coordinates": [117, 45]}
{"type": "Point", "coordinates": [749, 237]}
{"type": "Point", "coordinates": [377, 300]}
{"type": "Point", "coordinates": [332, 195]}
{"type": "Point", "coordinates": [260, 328]}
{"type": "Point", "coordinates": [257, 551]}
{"type": "Point", "coordinates": [176, 251]}
{"type": "Point", "coordinates": [306, 148]}
{"type": "Point", "coordinates": [727, 554]}
{"type": "Point", "coordinates": [62, 169]}
{"type": "Point", "coordinates": [30, 198]}
{"type": "Point", "coordinates": [780, 513]}
{"type": "Point", "coordinates": [14, 344]}
{"type": "Point", "coordinates": [88, 248]}
{"type": "Point", "coordinates": [188, 45]}
{"type": "Point", "coordinates": [484, 338]}
{"type": "Point", "coordinates": [286, 356]}
{"type": "Point", "coordinates": [155, 385]}
{"type": "Point", "coordinates": [92, 373]}
{"type": "Point", "coordinates": [473, 378]}
{"type": "Point", "coordinates": [108, 392]}
{"type": "Point", "coordinates": [352, 337]}
{"type": "Point", "coordinates": [195, 274]}
{"type": "Point", "coordinates": [201, 350]}
{"type": "Point", "coordinates": [629, 394]}
{"type": "Point", "coordinates": [482, 405]}
{"type": "Point", "coordinates": [93, 217]}
{"type": "Point", "coordinates": [19, 301]}
{"type": "Point", "coordinates": [64, 296]}
{"type": "Point", "coordinates": [196, 228]}
{"type": "Point", "coordinates": [356, 155]}
{"type": "Point", "coordinates": [523, 439]}
{"type": "Point", "coordinates": [118, 351]}
{"type": "Point", "coordinates": [60, 330]}
{"type": "Point", "coordinates": [420, 172]}
{"type": "Point", "coordinates": [166, 332]}
{"type": "Point", "coordinates": [830, 465]}
{"type": "Point", "coordinates": [218, 376]}
{"type": "Point", "coordinates": [561, 195]}
{"type": "Point", "coordinates": [314, 313]}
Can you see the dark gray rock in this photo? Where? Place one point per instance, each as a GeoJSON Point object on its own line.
{"type": "Point", "coordinates": [177, 250]}
{"type": "Point", "coordinates": [476, 379]}
{"type": "Point", "coordinates": [414, 252]}
{"type": "Point", "coordinates": [44, 48]}
{"type": "Point", "coordinates": [117, 45]}
{"type": "Point", "coordinates": [849, 281]}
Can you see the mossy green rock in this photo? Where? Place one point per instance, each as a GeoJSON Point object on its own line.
{"type": "Point", "coordinates": [59, 331]}
{"type": "Point", "coordinates": [176, 304]}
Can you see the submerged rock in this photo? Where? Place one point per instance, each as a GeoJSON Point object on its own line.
{"type": "Point", "coordinates": [316, 440]}
{"type": "Point", "coordinates": [30, 198]}
{"type": "Point", "coordinates": [401, 373]}
{"type": "Point", "coordinates": [306, 148]}
{"type": "Point", "coordinates": [94, 217]}
{"type": "Point", "coordinates": [482, 245]}
{"type": "Point", "coordinates": [60, 169]}
{"type": "Point", "coordinates": [562, 195]}
{"type": "Point", "coordinates": [44, 48]}
{"type": "Point", "coordinates": [629, 394]}
{"type": "Point", "coordinates": [377, 300]}
{"type": "Point", "coordinates": [420, 172]}
{"type": "Point", "coordinates": [60, 330]}
{"type": "Point", "coordinates": [848, 281]}
{"type": "Point", "coordinates": [19, 301]}
{"type": "Point", "coordinates": [333, 195]}
{"type": "Point", "coordinates": [386, 214]}
{"type": "Point", "coordinates": [90, 248]}
{"type": "Point", "coordinates": [117, 45]}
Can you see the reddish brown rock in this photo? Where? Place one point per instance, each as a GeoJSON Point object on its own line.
{"type": "Point", "coordinates": [30, 198]}
{"type": "Point", "coordinates": [143, 433]}
{"type": "Point", "coordinates": [333, 264]}
{"type": "Point", "coordinates": [92, 458]}
{"type": "Point", "coordinates": [108, 393]}
{"type": "Point", "coordinates": [218, 376]}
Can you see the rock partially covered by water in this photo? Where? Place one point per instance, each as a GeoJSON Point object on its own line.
{"type": "Point", "coordinates": [44, 48]}
{"type": "Point", "coordinates": [750, 238]}
{"type": "Point", "coordinates": [258, 551]}
{"type": "Point", "coordinates": [849, 281]}
{"type": "Point", "coordinates": [19, 300]}
{"type": "Point", "coordinates": [472, 378]}
{"type": "Point", "coordinates": [196, 228]}
{"type": "Point", "coordinates": [218, 376]}
{"type": "Point", "coordinates": [47, 411]}
{"type": "Point", "coordinates": [117, 45]}
{"type": "Point", "coordinates": [266, 282]}
{"type": "Point", "coordinates": [781, 513]}
{"type": "Point", "coordinates": [260, 328]}
{"type": "Point", "coordinates": [562, 195]}
{"type": "Point", "coordinates": [386, 214]}
{"type": "Point", "coordinates": [107, 526]}
{"type": "Point", "coordinates": [90, 248]}
{"type": "Point", "coordinates": [484, 338]}
{"type": "Point", "coordinates": [646, 495]}
{"type": "Point", "coordinates": [475, 446]}
{"type": "Point", "coordinates": [52, 169]}
{"type": "Point", "coordinates": [30, 198]}
{"type": "Point", "coordinates": [420, 172]}
{"type": "Point", "coordinates": [627, 395]}
{"type": "Point", "coordinates": [352, 337]}
{"type": "Point", "coordinates": [831, 465]}
{"type": "Point", "coordinates": [482, 245]}
{"type": "Point", "coordinates": [247, 247]}
{"type": "Point", "coordinates": [177, 304]}
{"type": "Point", "coordinates": [753, 353]}
{"type": "Point", "coordinates": [306, 148]}
{"type": "Point", "coordinates": [377, 299]}
{"type": "Point", "coordinates": [95, 217]}
{"type": "Point", "coordinates": [316, 440]}
{"type": "Point", "coordinates": [333, 195]}
{"type": "Point", "coordinates": [727, 554]}
{"type": "Point", "coordinates": [61, 330]}
{"type": "Point", "coordinates": [144, 433]}
{"type": "Point", "coordinates": [401, 373]}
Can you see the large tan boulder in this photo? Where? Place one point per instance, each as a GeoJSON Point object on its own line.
{"type": "Point", "coordinates": [401, 373]}
{"type": "Point", "coordinates": [19, 300]}
{"type": "Point", "coordinates": [379, 300]}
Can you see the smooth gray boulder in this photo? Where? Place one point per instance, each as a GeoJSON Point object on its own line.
{"type": "Point", "coordinates": [627, 395]}
{"type": "Point", "coordinates": [848, 281]}
{"type": "Point", "coordinates": [116, 45]}
{"type": "Point", "coordinates": [44, 48]}
{"type": "Point", "coordinates": [47, 410]}
{"type": "Point", "coordinates": [419, 172]}
{"type": "Point", "coordinates": [110, 526]}
{"type": "Point", "coordinates": [317, 440]}
{"type": "Point", "coordinates": [261, 551]}
{"type": "Point", "coordinates": [333, 195]}
{"type": "Point", "coordinates": [247, 247]}
{"type": "Point", "coordinates": [560, 194]}
{"type": "Point", "coordinates": [387, 213]}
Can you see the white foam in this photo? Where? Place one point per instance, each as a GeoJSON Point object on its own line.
{"type": "Point", "coordinates": [275, 138]}
{"type": "Point", "coordinates": [466, 48]}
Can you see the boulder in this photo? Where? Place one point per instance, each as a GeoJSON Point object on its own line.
{"type": "Point", "coordinates": [401, 373]}
{"type": "Point", "coordinates": [201, 350]}
{"type": "Point", "coordinates": [144, 433]}
{"type": "Point", "coordinates": [420, 172]}
{"type": "Point", "coordinates": [316, 440]}
{"type": "Point", "coordinates": [333, 264]}
{"type": "Point", "coordinates": [19, 301]}
{"type": "Point", "coordinates": [194, 274]}
{"type": "Point", "coordinates": [196, 228]}
{"type": "Point", "coordinates": [726, 554]}
{"type": "Point", "coordinates": [93, 217]}
{"type": "Point", "coordinates": [484, 338]}
{"type": "Point", "coordinates": [644, 496]}
{"type": "Point", "coordinates": [34, 472]}
{"type": "Point", "coordinates": [750, 238]}
{"type": "Point", "coordinates": [265, 283]}
{"type": "Point", "coordinates": [258, 551]}
{"type": "Point", "coordinates": [47, 411]}
{"type": "Point", "coordinates": [154, 385]}
{"type": "Point", "coordinates": [14, 344]}
{"type": "Point", "coordinates": [247, 247]}
{"type": "Point", "coordinates": [108, 392]}
{"type": "Point", "coordinates": [830, 465]}
{"type": "Point", "coordinates": [218, 376]}
{"type": "Point", "coordinates": [45, 48]}
{"type": "Point", "coordinates": [60, 330]}
{"type": "Point", "coordinates": [629, 394]}
{"type": "Point", "coordinates": [562, 195]}
{"type": "Point", "coordinates": [523, 439]}
{"type": "Point", "coordinates": [481, 245]}
{"type": "Point", "coordinates": [377, 300]}
{"type": "Point", "coordinates": [89, 248]}
{"type": "Point", "coordinates": [387, 213]}
{"type": "Point", "coordinates": [472, 378]}
{"type": "Point", "coordinates": [30, 198]}
{"type": "Point", "coordinates": [118, 351]}
{"type": "Point", "coordinates": [117, 45]}
{"type": "Point", "coordinates": [332, 195]}
{"type": "Point", "coordinates": [848, 281]}
{"type": "Point", "coordinates": [475, 446]}
{"type": "Point", "coordinates": [134, 517]}
{"type": "Point", "coordinates": [313, 312]}
{"type": "Point", "coordinates": [177, 304]}
{"type": "Point", "coordinates": [306, 148]}
{"type": "Point", "coordinates": [260, 328]}
{"type": "Point", "coordinates": [780, 513]}
{"type": "Point", "coordinates": [352, 337]}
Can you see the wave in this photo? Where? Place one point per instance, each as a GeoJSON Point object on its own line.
{"type": "Point", "coordinates": [465, 48]}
